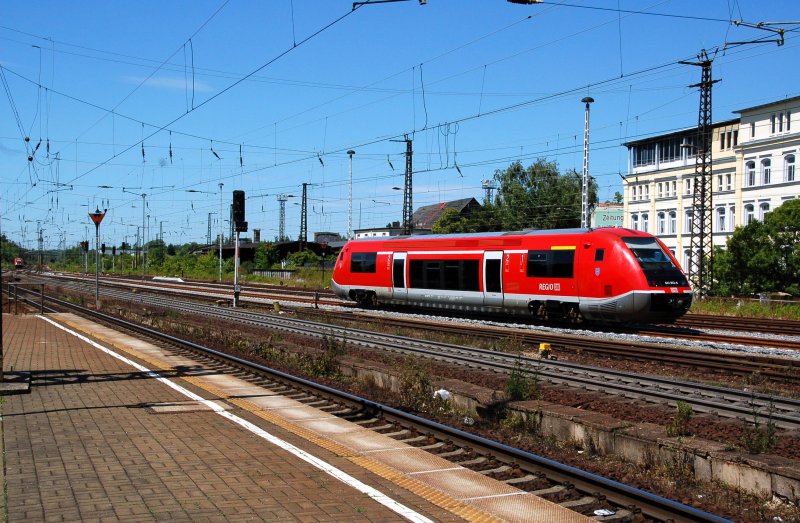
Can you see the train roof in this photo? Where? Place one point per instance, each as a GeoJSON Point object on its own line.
{"type": "Point", "coordinates": [526, 232]}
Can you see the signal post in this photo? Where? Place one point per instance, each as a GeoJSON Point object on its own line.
{"type": "Point", "coordinates": [240, 225]}
{"type": "Point", "coordinates": [97, 217]}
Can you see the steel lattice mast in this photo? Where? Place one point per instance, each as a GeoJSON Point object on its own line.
{"type": "Point", "coordinates": [701, 245]}
{"type": "Point", "coordinates": [304, 219]}
{"type": "Point", "coordinates": [282, 217]}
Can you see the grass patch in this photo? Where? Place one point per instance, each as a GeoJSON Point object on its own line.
{"type": "Point", "coordinates": [748, 308]}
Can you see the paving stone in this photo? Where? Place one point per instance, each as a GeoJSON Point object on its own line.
{"type": "Point", "coordinates": [80, 447]}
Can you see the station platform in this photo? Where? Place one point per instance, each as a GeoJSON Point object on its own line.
{"type": "Point", "coordinates": [115, 429]}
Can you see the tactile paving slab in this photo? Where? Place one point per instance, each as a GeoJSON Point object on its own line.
{"type": "Point", "coordinates": [409, 460]}
{"type": "Point", "coordinates": [524, 508]}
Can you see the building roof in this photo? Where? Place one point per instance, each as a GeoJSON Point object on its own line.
{"type": "Point", "coordinates": [679, 132]}
{"type": "Point", "coordinates": [425, 217]}
{"type": "Point", "coordinates": [776, 102]}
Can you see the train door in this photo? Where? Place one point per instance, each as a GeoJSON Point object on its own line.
{"type": "Point", "coordinates": [493, 278]}
{"type": "Point", "coordinates": [399, 286]}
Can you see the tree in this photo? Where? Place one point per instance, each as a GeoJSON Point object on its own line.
{"type": "Point", "coordinates": [762, 256]}
{"type": "Point", "coordinates": [266, 256]}
{"type": "Point", "coordinates": [540, 197]}
{"type": "Point", "coordinates": [303, 258]}
{"type": "Point", "coordinates": [450, 221]}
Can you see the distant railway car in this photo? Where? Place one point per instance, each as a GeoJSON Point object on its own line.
{"type": "Point", "coordinates": [607, 274]}
{"type": "Point", "coordinates": [19, 263]}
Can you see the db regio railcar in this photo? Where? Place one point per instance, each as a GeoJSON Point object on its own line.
{"type": "Point", "coordinates": [19, 263]}
{"type": "Point", "coordinates": [604, 274]}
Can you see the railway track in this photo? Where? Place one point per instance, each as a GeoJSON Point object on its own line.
{"type": "Point", "coordinates": [572, 488]}
{"type": "Point", "coordinates": [768, 325]}
{"type": "Point", "coordinates": [725, 402]}
{"type": "Point", "coordinates": [686, 328]}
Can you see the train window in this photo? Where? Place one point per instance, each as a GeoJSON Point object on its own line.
{"type": "Point", "coordinates": [551, 264]}
{"type": "Point", "coordinates": [451, 275]}
{"type": "Point", "coordinates": [433, 275]}
{"type": "Point", "coordinates": [363, 261]}
{"type": "Point", "coordinates": [563, 263]}
{"type": "Point", "coordinates": [398, 268]}
{"type": "Point", "coordinates": [598, 255]}
{"type": "Point", "coordinates": [493, 274]}
{"type": "Point", "coordinates": [656, 264]}
{"type": "Point", "coordinates": [647, 250]}
{"type": "Point", "coordinates": [537, 263]}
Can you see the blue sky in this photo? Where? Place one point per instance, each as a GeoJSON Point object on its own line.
{"type": "Point", "coordinates": [295, 84]}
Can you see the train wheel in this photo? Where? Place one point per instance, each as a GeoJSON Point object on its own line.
{"type": "Point", "coordinates": [369, 300]}
{"type": "Point", "coordinates": [572, 315]}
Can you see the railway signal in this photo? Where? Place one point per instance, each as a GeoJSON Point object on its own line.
{"type": "Point", "coordinates": [240, 225]}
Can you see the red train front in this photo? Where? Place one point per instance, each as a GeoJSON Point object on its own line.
{"type": "Point", "coordinates": [602, 274]}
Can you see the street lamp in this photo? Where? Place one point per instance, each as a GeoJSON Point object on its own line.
{"type": "Point", "coordinates": [350, 153]}
{"type": "Point", "coordinates": [585, 186]}
{"type": "Point", "coordinates": [97, 217]}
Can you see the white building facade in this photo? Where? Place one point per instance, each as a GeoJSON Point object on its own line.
{"type": "Point", "coordinates": [753, 170]}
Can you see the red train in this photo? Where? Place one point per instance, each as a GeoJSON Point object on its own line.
{"type": "Point", "coordinates": [608, 274]}
{"type": "Point", "coordinates": [19, 263]}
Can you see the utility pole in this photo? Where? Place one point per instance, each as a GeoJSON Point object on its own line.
{"type": "Point", "coordinates": [701, 243]}
{"type": "Point", "coordinates": [208, 234]}
{"type": "Point", "coordinates": [303, 240]}
{"type": "Point", "coordinates": [144, 252]}
{"type": "Point", "coordinates": [585, 221]}
{"type": "Point", "coordinates": [41, 245]}
{"type": "Point", "coordinates": [220, 230]}
{"type": "Point", "coordinates": [408, 208]}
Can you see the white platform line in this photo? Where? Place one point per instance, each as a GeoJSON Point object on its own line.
{"type": "Point", "coordinates": [342, 476]}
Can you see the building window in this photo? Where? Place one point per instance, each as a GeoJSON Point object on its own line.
{"type": "Point", "coordinates": [644, 155]}
{"type": "Point", "coordinates": [749, 214]}
{"type": "Point", "coordinates": [752, 129]}
{"type": "Point", "coordinates": [660, 190]}
{"type": "Point", "coordinates": [719, 182]}
{"type": "Point", "coordinates": [735, 137]}
{"type": "Point", "coordinates": [687, 221]}
{"type": "Point", "coordinates": [766, 170]}
{"type": "Point", "coordinates": [728, 182]}
{"type": "Point", "coordinates": [750, 173]}
{"type": "Point", "coordinates": [647, 192]}
{"type": "Point", "coordinates": [673, 218]}
{"type": "Point", "coordinates": [635, 222]}
{"type": "Point", "coordinates": [721, 219]}
{"type": "Point", "coordinates": [732, 217]}
{"type": "Point", "coordinates": [790, 168]}
{"type": "Point", "coordinates": [763, 209]}
{"type": "Point", "coordinates": [772, 123]}
{"type": "Point", "coordinates": [669, 150]}
{"type": "Point", "coordinates": [686, 260]}
{"type": "Point", "coordinates": [722, 140]}
{"type": "Point", "coordinates": [674, 188]}
{"type": "Point", "coordinates": [661, 223]}
{"type": "Point", "coordinates": [645, 221]}
{"type": "Point", "coordinates": [788, 121]}
{"type": "Point", "coordinates": [780, 122]}
{"type": "Point", "coordinates": [688, 185]}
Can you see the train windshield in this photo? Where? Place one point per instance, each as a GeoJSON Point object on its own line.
{"type": "Point", "coordinates": [656, 264]}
